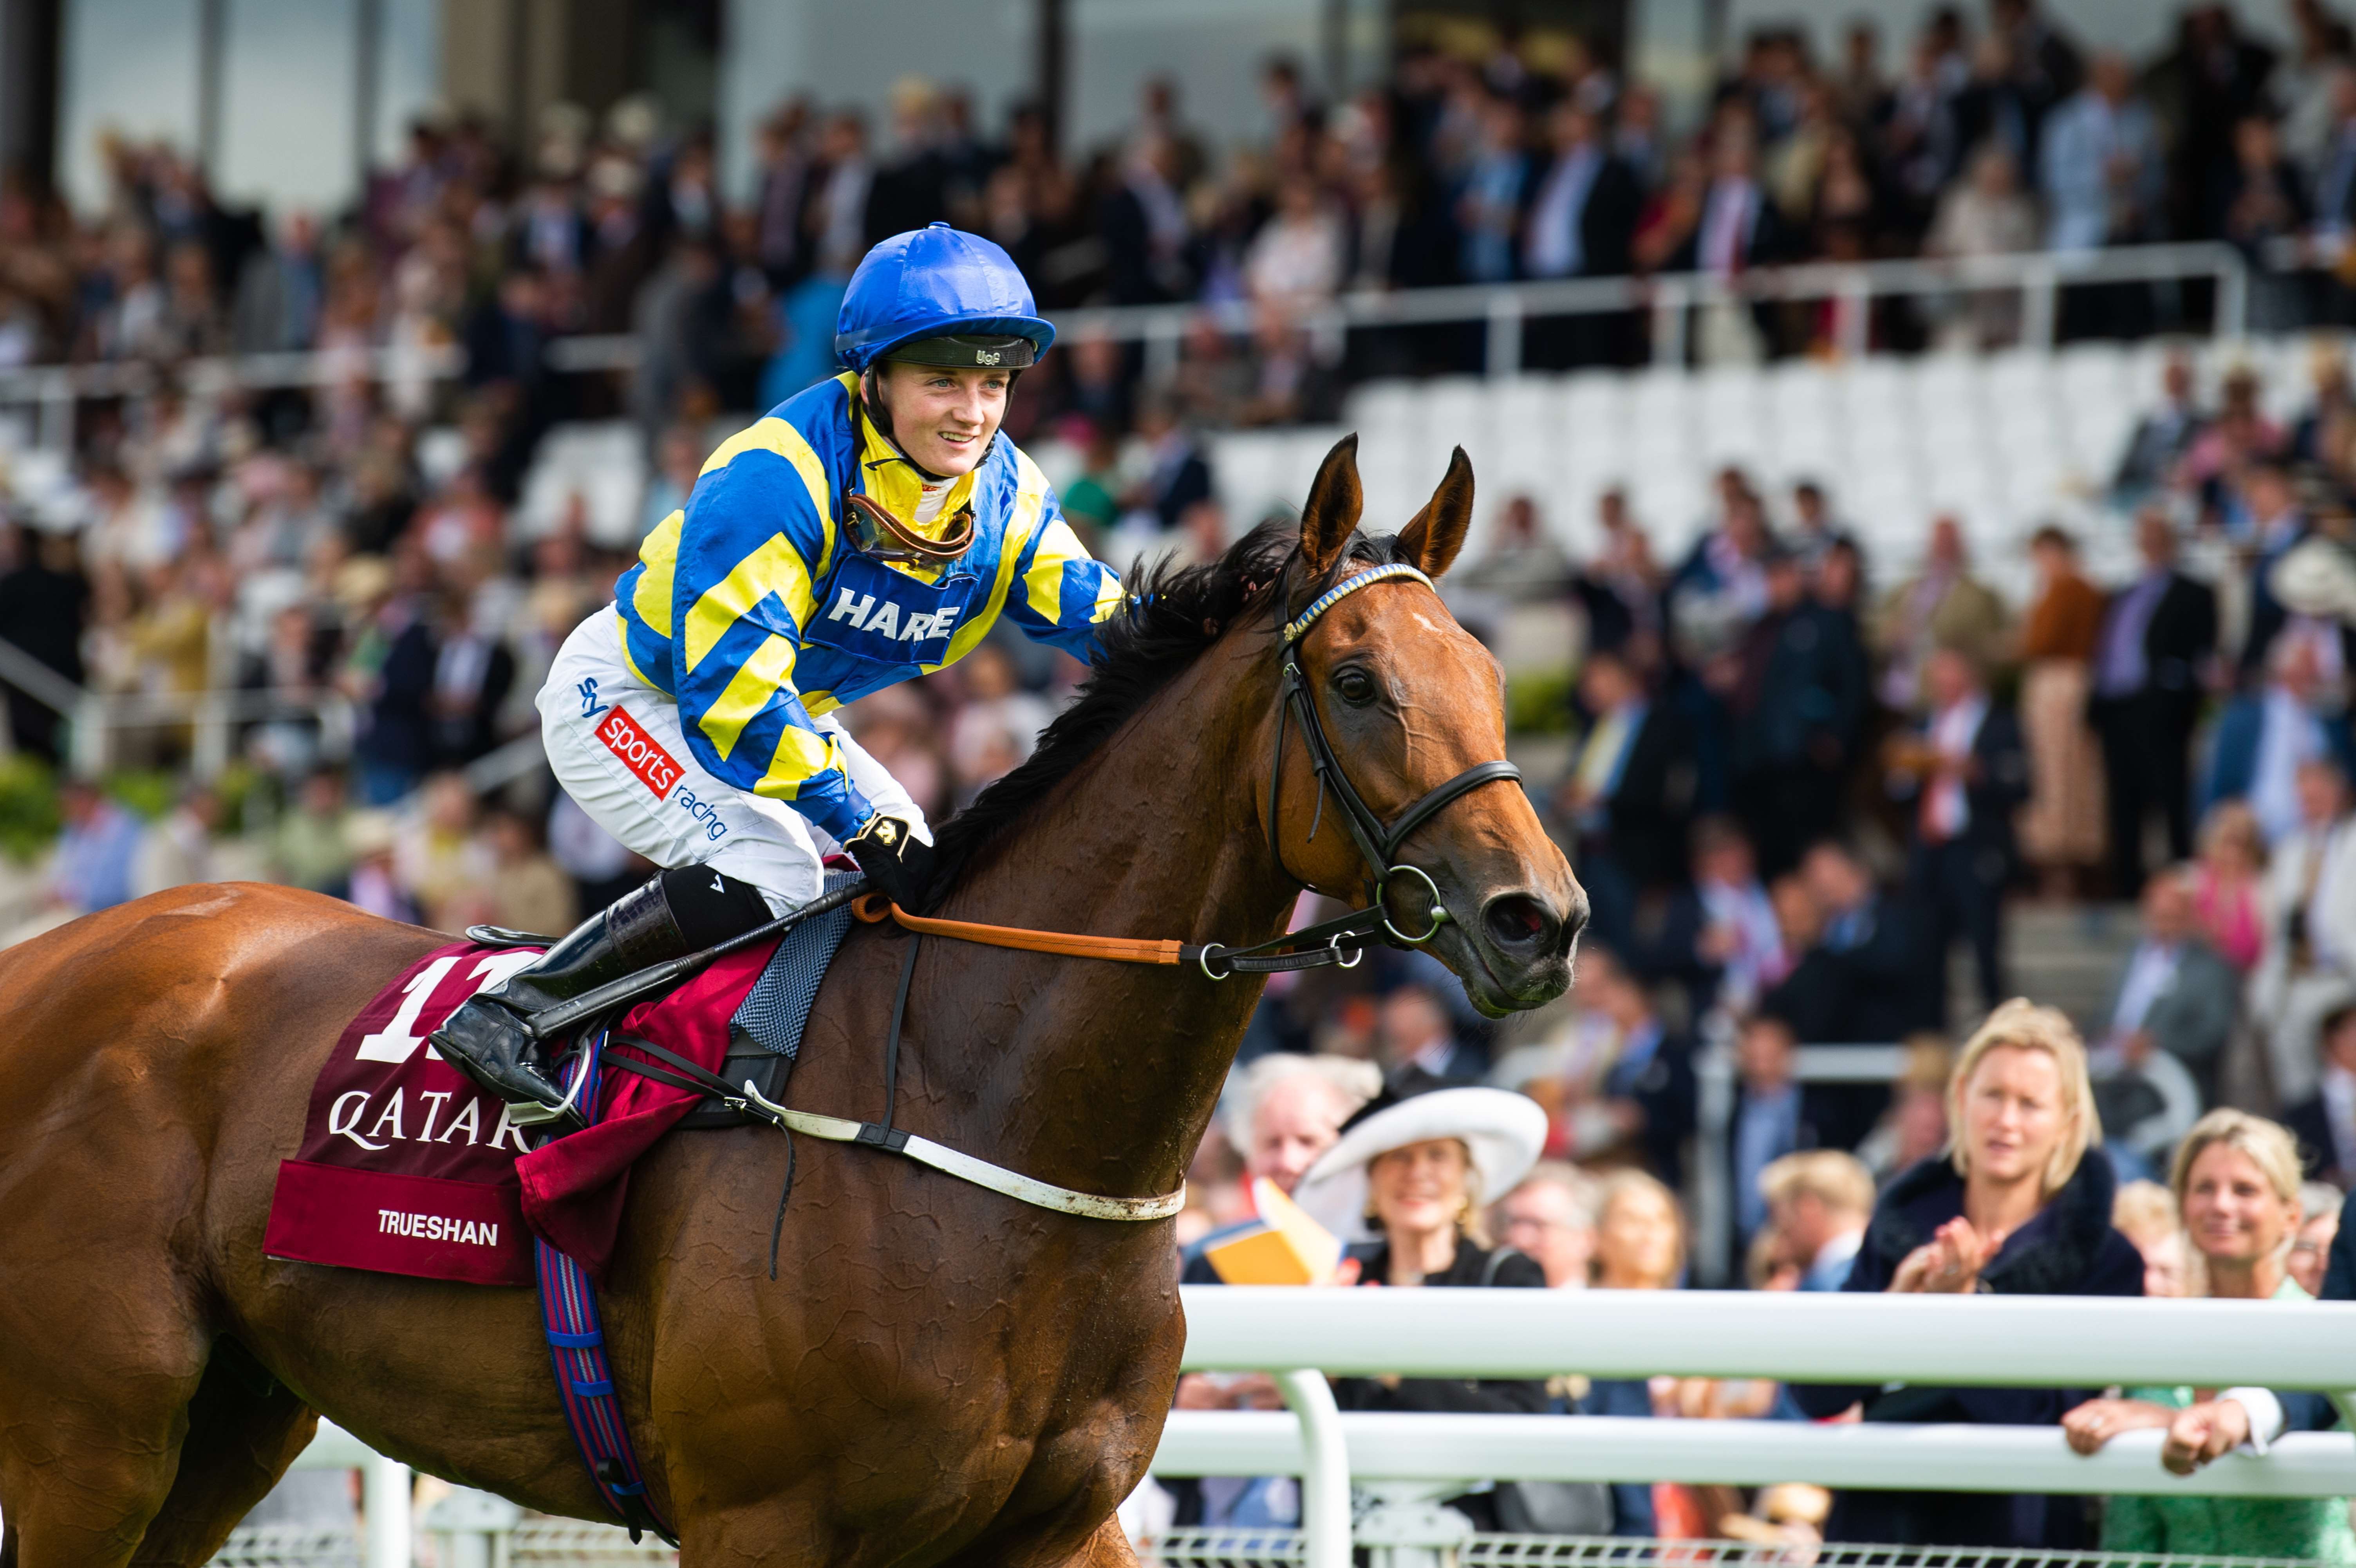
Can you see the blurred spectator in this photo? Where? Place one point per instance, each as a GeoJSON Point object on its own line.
{"type": "Point", "coordinates": [311, 846]}
{"type": "Point", "coordinates": [1720, 934]}
{"type": "Point", "coordinates": [97, 851]}
{"type": "Point", "coordinates": [1640, 1244]}
{"type": "Point", "coordinates": [2264, 739]}
{"type": "Point", "coordinates": [1987, 214]}
{"type": "Point", "coordinates": [1870, 978]}
{"type": "Point", "coordinates": [999, 722]}
{"type": "Point", "coordinates": [1965, 772]}
{"type": "Point", "coordinates": [2227, 884]}
{"type": "Point", "coordinates": [2145, 1213]}
{"type": "Point", "coordinates": [1176, 476]}
{"type": "Point", "coordinates": [527, 890]}
{"type": "Point", "coordinates": [1943, 605]}
{"type": "Point", "coordinates": [1626, 1090]}
{"type": "Point", "coordinates": [375, 885]}
{"type": "Point", "coordinates": [2062, 824]}
{"type": "Point", "coordinates": [2325, 1121]}
{"type": "Point", "coordinates": [2101, 164]}
{"type": "Point", "coordinates": [1770, 1118]}
{"type": "Point", "coordinates": [2175, 992]}
{"type": "Point", "coordinates": [1417, 1038]}
{"type": "Point", "coordinates": [2162, 437]}
{"type": "Point", "coordinates": [1581, 223]}
{"type": "Point", "coordinates": [177, 848]}
{"type": "Point", "coordinates": [1629, 791]}
{"type": "Point", "coordinates": [2236, 1185]}
{"type": "Point", "coordinates": [1550, 1217]}
{"type": "Point", "coordinates": [2147, 664]}
{"type": "Point", "coordinates": [1796, 707]}
{"type": "Point", "coordinates": [1523, 561]}
{"type": "Point", "coordinates": [2015, 1209]}
{"type": "Point", "coordinates": [2310, 952]}
{"type": "Point", "coordinates": [438, 857]}
{"type": "Point", "coordinates": [1819, 1202]}
{"type": "Point", "coordinates": [1914, 1128]}
{"type": "Point", "coordinates": [2318, 1207]}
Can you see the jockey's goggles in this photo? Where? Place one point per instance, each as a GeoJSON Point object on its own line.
{"type": "Point", "coordinates": [965, 352]}
{"type": "Point", "coordinates": [875, 532]}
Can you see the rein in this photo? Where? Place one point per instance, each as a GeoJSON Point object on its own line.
{"type": "Point", "coordinates": [1377, 843]}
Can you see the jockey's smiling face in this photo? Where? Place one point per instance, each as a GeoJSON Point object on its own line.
{"type": "Point", "coordinates": [942, 416]}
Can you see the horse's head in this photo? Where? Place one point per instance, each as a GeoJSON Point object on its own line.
{"type": "Point", "coordinates": [1409, 702]}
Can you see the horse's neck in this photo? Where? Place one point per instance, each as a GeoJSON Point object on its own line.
{"type": "Point", "coordinates": [1099, 1075]}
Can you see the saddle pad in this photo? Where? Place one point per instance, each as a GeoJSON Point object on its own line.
{"type": "Point", "coordinates": [777, 1008]}
{"type": "Point", "coordinates": [405, 1167]}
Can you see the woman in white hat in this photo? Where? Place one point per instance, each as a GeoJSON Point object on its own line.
{"type": "Point", "coordinates": [1405, 1186]}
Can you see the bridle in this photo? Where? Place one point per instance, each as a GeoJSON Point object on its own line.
{"type": "Point", "coordinates": [1377, 842]}
{"type": "Point", "coordinates": [1340, 941]}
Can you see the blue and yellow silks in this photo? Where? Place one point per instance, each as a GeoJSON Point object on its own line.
{"type": "Point", "coordinates": [752, 611]}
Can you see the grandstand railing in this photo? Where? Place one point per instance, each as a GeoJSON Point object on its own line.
{"type": "Point", "coordinates": [95, 718]}
{"type": "Point", "coordinates": [1669, 299]}
{"type": "Point", "coordinates": [1403, 1463]}
{"type": "Point", "coordinates": [1714, 1086]}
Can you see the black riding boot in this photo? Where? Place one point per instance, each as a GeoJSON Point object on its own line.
{"type": "Point", "coordinates": [679, 912]}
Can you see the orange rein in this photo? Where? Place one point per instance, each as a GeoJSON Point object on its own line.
{"type": "Point", "coordinates": [874, 909]}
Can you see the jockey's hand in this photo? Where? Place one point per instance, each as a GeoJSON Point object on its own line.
{"type": "Point", "coordinates": [895, 860]}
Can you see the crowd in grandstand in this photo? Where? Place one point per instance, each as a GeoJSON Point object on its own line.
{"type": "Point", "coordinates": [1803, 784]}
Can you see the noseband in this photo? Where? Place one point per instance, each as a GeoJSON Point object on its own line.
{"type": "Point", "coordinates": [1377, 842]}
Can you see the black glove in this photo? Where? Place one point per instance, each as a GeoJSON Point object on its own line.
{"type": "Point", "coordinates": [895, 860]}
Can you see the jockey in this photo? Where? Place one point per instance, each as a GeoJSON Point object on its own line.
{"type": "Point", "coordinates": [868, 529]}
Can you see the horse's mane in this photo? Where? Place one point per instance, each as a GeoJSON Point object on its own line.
{"type": "Point", "coordinates": [1171, 614]}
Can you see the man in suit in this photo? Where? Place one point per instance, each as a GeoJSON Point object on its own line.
{"type": "Point", "coordinates": [1581, 223]}
{"type": "Point", "coordinates": [2325, 1122]}
{"type": "Point", "coordinates": [1799, 697]}
{"type": "Point", "coordinates": [2157, 633]}
{"type": "Point", "coordinates": [2174, 990]}
{"type": "Point", "coordinates": [1739, 229]}
{"type": "Point", "coordinates": [1630, 793]}
{"type": "Point", "coordinates": [1966, 772]}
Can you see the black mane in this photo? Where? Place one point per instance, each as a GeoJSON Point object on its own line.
{"type": "Point", "coordinates": [1169, 616]}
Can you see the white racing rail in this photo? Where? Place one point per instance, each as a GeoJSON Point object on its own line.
{"type": "Point", "coordinates": [1405, 1461]}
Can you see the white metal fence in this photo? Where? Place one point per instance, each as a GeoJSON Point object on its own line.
{"type": "Point", "coordinates": [1400, 1464]}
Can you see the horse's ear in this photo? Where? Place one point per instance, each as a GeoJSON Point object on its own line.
{"type": "Point", "coordinates": [1429, 543]}
{"type": "Point", "coordinates": [1334, 503]}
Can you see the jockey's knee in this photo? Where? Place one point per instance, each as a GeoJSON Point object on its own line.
{"type": "Point", "coordinates": [710, 906]}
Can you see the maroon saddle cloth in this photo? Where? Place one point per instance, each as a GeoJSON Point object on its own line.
{"type": "Point", "coordinates": [407, 1168]}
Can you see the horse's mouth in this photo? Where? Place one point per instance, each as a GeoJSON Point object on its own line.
{"type": "Point", "coordinates": [1539, 980]}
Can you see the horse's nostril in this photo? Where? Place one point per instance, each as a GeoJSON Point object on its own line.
{"type": "Point", "coordinates": [1516, 920]}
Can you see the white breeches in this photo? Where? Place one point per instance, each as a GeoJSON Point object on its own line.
{"type": "Point", "coordinates": [616, 747]}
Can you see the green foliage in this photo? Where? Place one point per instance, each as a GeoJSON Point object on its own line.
{"type": "Point", "coordinates": [148, 792]}
{"type": "Point", "coordinates": [1539, 703]}
{"type": "Point", "coordinates": [28, 807]}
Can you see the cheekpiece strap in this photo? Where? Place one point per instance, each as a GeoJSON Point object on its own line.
{"type": "Point", "coordinates": [1300, 624]}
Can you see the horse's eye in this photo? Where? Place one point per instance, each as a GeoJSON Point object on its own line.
{"type": "Point", "coordinates": [1355, 686]}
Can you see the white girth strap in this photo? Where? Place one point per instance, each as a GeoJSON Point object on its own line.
{"type": "Point", "coordinates": [965, 1167]}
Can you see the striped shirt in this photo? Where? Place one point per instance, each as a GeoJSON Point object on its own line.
{"type": "Point", "coordinates": [750, 607]}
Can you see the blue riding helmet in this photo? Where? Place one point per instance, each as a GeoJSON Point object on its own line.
{"type": "Point", "coordinates": [937, 282]}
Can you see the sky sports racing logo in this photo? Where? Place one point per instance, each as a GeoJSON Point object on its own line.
{"type": "Point", "coordinates": [652, 765]}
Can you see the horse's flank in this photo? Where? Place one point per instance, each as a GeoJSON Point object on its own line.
{"type": "Point", "coordinates": [938, 1375]}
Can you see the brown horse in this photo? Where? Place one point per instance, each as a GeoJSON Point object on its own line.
{"type": "Point", "coordinates": [940, 1374]}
